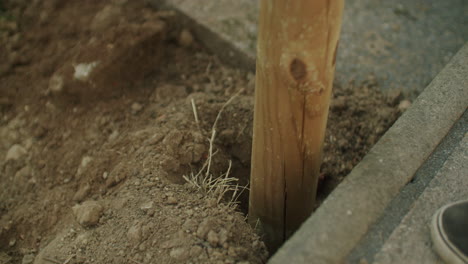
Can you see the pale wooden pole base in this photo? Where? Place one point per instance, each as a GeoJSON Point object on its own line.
{"type": "Point", "coordinates": [296, 55]}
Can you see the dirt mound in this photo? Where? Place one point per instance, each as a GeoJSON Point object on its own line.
{"type": "Point", "coordinates": [105, 107]}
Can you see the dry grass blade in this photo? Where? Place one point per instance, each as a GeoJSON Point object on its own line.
{"type": "Point", "coordinates": [216, 187]}
{"type": "Point", "coordinates": [195, 113]}
{"type": "Point", "coordinates": [224, 106]}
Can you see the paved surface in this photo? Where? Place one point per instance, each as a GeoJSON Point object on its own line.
{"type": "Point", "coordinates": [405, 43]}
{"type": "Point", "coordinates": [410, 242]}
{"type": "Point", "coordinates": [403, 228]}
{"type": "Point", "coordinates": [227, 27]}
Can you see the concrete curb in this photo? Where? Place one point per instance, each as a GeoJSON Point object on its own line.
{"type": "Point", "coordinates": [218, 31]}
{"type": "Point", "coordinates": [404, 203]}
{"type": "Point", "coordinates": [330, 234]}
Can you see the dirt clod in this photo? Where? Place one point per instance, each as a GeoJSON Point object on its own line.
{"type": "Point", "coordinates": [404, 105]}
{"type": "Point", "coordinates": [212, 238]}
{"type": "Point", "coordinates": [27, 259]}
{"type": "Point", "coordinates": [15, 153]}
{"type": "Point", "coordinates": [185, 38]}
{"type": "Point", "coordinates": [171, 200]}
{"type": "Point", "coordinates": [204, 228]}
{"type": "Point", "coordinates": [136, 108]}
{"type": "Point", "coordinates": [88, 213]}
{"type": "Point", "coordinates": [180, 253]}
{"type": "Point", "coordinates": [134, 233]}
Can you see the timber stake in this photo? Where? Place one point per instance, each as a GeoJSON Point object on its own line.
{"type": "Point", "coordinates": [296, 52]}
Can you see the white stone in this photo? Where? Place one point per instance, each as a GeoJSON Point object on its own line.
{"type": "Point", "coordinates": [84, 70]}
{"type": "Point", "coordinates": [56, 83]}
{"type": "Point", "coordinates": [15, 152]}
{"type": "Point", "coordinates": [84, 163]}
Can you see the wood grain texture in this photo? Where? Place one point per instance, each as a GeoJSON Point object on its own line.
{"type": "Point", "coordinates": [296, 54]}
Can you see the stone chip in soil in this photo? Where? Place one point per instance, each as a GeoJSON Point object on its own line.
{"type": "Point", "coordinates": [88, 213]}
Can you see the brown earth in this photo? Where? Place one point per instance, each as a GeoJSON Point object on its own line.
{"type": "Point", "coordinates": [98, 129]}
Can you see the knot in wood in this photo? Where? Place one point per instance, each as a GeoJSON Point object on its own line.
{"type": "Point", "coordinates": [298, 69]}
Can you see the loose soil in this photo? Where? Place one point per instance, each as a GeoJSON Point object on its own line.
{"type": "Point", "coordinates": [98, 129]}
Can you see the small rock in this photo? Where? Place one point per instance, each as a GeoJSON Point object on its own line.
{"type": "Point", "coordinates": [88, 213]}
{"type": "Point", "coordinates": [185, 38]}
{"type": "Point", "coordinates": [404, 105]}
{"type": "Point", "coordinates": [213, 238]}
{"type": "Point", "coordinates": [23, 173]}
{"type": "Point", "coordinates": [173, 139]}
{"type": "Point", "coordinates": [147, 206]}
{"type": "Point", "coordinates": [83, 70]}
{"type": "Point", "coordinates": [28, 143]}
{"type": "Point", "coordinates": [105, 18]}
{"type": "Point", "coordinates": [142, 247]}
{"type": "Point", "coordinates": [190, 225]}
{"type": "Point", "coordinates": [134, 233]}
{"type": "Point", "coordinates": [113, 135]}
{"type": "Point", "coordinates": [12, 242]}
{"type": "Point", "coordinates": [56, 84]}
{"type": "Point", "coordinates": [175, 242]}
{"type": "Point", "coordinates": [84, 163]}
{"type": "Point", "coordinates": [223, 236]}
{"type": "Point", "coordinates": [342, 143]}
{"type": "Point", "coordinates": [28, 259]}
{"type": "Point", "coordinates": [15, 152]}
{"type": "Point", "coordinates": [204, 228]}
{"type": "Point", "coordinates": [81, 194]}
{"type": "Point", "coordinates": [168, 163]}
{"type": "Point", "coordinates": [146, 230]}
{"type": "Point", "coordinates": [227, 135]}
{"type": "Point", "coordinates": [195, 251]}
{"type": "Point", "coordinates": [172, 200]}
{"type": "Point", "coordinates": [180, 253]}
{"type": "Point", "coordinates": [215, 254]}
{"type": "Point", "coordinates": [115, 178]}
{"type": "Point", "coordinates": [151, 212]}
{"type": "Point", "coordinates": [198, 152]}
{"type": "Point", "coordinates": [136, 108]}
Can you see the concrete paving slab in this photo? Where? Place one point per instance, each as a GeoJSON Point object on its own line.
{"type": "Point", "coordinates": [403, 203]}
{"type": "Point", "coordinates": [227, 27]}
{"type": "Point", "coordinates": [344, 218]}
{"type": "Point", "coordinates": [404, 43]}
{"type": "Point", "coordinates": [411, 240]}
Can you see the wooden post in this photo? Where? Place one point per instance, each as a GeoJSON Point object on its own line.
{"type": "Point", "coordinates": [296, 54]}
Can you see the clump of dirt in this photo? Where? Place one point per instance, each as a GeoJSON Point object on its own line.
{"type": "Point", "coordinates": [105, 106]}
